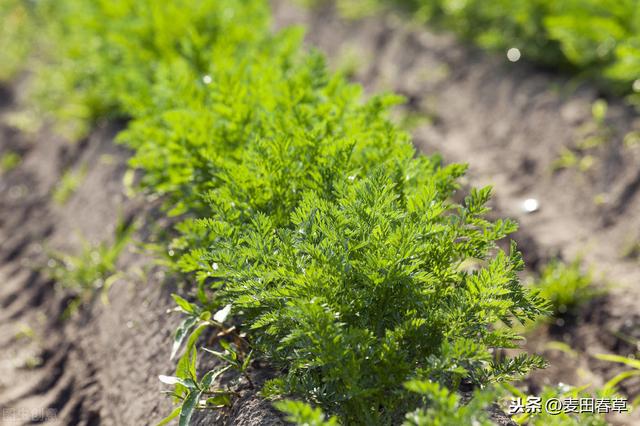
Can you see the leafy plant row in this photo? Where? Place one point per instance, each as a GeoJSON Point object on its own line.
{"type": "Point", "coordinates": [595, 38]}
{"type": "Point", "coordinates": [303, 211]}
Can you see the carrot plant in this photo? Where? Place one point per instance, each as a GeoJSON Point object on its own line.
{"type": "Point", "coordinates": [304, 213]}
{"type": "Point", "coordinates": [595, 38]}
{"type": "Point", "coordinates": [437, 406]}
{"type": "Point", "coordinates": [567, 286]}
{"type": "Point", "coordinates": [566, 393]}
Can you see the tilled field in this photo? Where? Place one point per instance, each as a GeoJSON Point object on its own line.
{"type": "Point", "coordinates": [508, 121]}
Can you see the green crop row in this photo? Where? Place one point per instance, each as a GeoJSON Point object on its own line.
{"type": "Point", "coordinates": [599, 39]}
{"type": "Point", "coordinates": [302, 209]}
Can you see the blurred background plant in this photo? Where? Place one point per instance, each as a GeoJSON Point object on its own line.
{"type": "Point", "coordinates": [568, 286]}
{"type": "Point", "coordinates": [9, 161]}
{"type": "Point", "coordinates": [595, 39]}
{"type": "Point", "coordinates": [92, 271]}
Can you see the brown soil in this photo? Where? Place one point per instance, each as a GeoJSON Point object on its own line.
{"type": "Point", "coordinates": [101, 366]}
{"type": "Point", "coordinates": [509, 121]}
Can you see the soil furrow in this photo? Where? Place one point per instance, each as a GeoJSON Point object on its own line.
{"type": "Point", "coordinates": [509, 121]}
